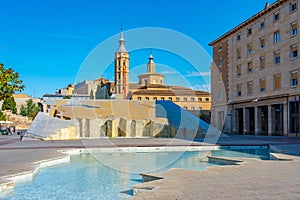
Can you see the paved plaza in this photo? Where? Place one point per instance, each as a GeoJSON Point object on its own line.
{"type": "Point", "coordinates": [250, 179]}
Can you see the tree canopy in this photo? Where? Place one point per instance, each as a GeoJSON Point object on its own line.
{"type": "Point", "coordinates": [30, 110]}
{"type": "Point", "coordinates": [2, 116]}
{"type": "Point", "coordinates": [9, 82]}
{"type": "Point", "coordinates": [9, 103]}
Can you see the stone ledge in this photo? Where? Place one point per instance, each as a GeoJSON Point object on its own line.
{"type": "Point", "coordinates": [7, 182]}
{"type": "Point", "coordinates": [222, 161]}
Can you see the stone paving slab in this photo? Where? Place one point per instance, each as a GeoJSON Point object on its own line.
{"type": "Point", "coordinates": [252, 179]}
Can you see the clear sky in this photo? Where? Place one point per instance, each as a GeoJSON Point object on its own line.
{"type": "Point", "coordinates": [47, 41]}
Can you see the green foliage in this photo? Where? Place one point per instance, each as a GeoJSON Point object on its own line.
{"type": "Point", "coordinates": [2, 116]}
{"type": "Point", "coordinates": [30, 110]}
{"type": "Point", "coordinates": [66, 97]}
{"type": "Point", "coordinates": [9, 82]}
{"type": "Point", "coordinates": [10, 104]}
{"type": "Point", "coordinates": [91, 95]}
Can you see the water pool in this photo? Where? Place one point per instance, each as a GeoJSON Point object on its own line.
{"type": "Point", "coordinates": [111, 178]}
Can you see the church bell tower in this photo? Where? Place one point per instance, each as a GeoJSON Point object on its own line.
{"type": "Point", "coordinates": [121, 70]}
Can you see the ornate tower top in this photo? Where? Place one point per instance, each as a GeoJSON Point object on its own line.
{"type": "Point", "coordinates": [121, 48]}
{"type": "Point", "coordinates": [151, 77]}
{"type": "Point", "coordinates": [151, 65]}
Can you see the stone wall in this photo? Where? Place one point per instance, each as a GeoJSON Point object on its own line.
{"type": "Point", "coordinates": [119, 127]}
{"type": "Point", "coordinates": [20, 122]}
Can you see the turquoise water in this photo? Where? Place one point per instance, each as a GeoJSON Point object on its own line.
{"type": "Point", "coordinates": [108, 175]}
{"type": "Point", "coordinates": [259, 153]}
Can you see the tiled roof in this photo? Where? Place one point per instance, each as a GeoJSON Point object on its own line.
{"type": "Point", "coordinates": [16, 96]}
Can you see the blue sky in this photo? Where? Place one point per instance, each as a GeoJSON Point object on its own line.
{"type": "Point", "coordinates": [47, 41]}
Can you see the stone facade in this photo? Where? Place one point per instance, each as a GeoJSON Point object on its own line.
{"type": "Point", "coordinates": [20, 122]}
{"type": "Point", "coordinates": [67, 90]}
{"type": "Point", "coordinates": [255, 74]}
{"type": "Point", "coordinates": [117, 118]}
{"type": "Point", "coordinates": [183, 97]}
{"type": "Point", "coordinates": [84, 87]}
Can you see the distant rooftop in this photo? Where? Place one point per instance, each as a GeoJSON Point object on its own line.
{"type": "Point", "coordinates": [19, 96]}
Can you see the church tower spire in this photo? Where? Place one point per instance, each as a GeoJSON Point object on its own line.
{"type": "Point", "coordinates": [121, 41]}
{"type": "Point", "coordinates": [121, 69]}
{"type": "Point", "coordinates": [151, 65]}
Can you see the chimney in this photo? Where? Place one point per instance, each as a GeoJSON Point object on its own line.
{"type": "Point", "coordinates": [267, 5]}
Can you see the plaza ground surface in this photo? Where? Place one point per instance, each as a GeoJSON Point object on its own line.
{"type": "Point", "coordinates": [250, 179]}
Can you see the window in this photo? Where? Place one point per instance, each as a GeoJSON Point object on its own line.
{"type": "Point", "coordinates": [220, 48]}
{"type": "Point", "coordinates": [294, 78]}
{"type": "Point", "coordinates": [170, 98]}
{"type": "Point", "coordinates": [124, 64]}
{"type": "Point", "coordinates": [162, 98]}
{"type": "Point", "coordinates": [185, 107]}
{"type": "Point", "coordinates": [293, 6]}
{"type": "Point", "coordinates": [184, 99]}
{"type": "Point", "coordinates": [262, 62]}
{"type": "Point", "coordinates": [238, 70]}
{"type": "Point", "coordinates": [200, 108]}
{"type": "Point", "coordinates": [206, 99]}
{"type": "Point", "coordinates": [220, 62]}
{"type": "Point", "coordinates": [249, 48]}
{"type": "Point", "coordinates": [238, 53]}
{"type": "Point", "coordinates": [139, 98]}
{"type": "Point", "coordinates": [250, 87]}
{"type": "Point", "coordinates": [276, 36]}
{"type": "Point", "coordinates": [294, 51]}
{"type": "Point", "coordinates": [177, 99]}
{"type": "Point", "coordinates": [239, 90]}
{"type": "Point", "coordinates": [262, 84]}
{"type": "Point", "coordinates": [294, 28]}
{"type": "Point", "coordinates": [199, 99]}
{"type": "Point", "coordinates": [147, 98]}
{"type": "Point", "coordinates": [277, 82]}
{"type": "Point", "coordinates": [146, 82]}
{"type": "Point", "coordinates": [250, 67]}
{"type": "Point", "coordinates": [262, 25]}
{"type": "Point", "coordinates": [192, 99]}
{"type": "Point", "coordinates": [220, 94]}
{"type": "Point", "coordinates": [238, 37]}
{"type": "Point", "coordinates": [277, 58]}
{"type": "Point", "coordinates": [192, 108]}
{"type": "Point", "coordinates": [276, 16]}
{"type": "Point", "coordinates": [249, 32]}
{"type": "Point", "coordinates": [262, 42]}
{"type": "Point", "coordinates": [154, 98]}
{"type": "Point", "coordinates": [220, 76]}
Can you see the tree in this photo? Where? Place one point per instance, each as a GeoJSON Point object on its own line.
{"type": "Point", "coordinates": [10, 104]}
{"type": "Point", "coordinates": [9, 82]}
{"type": "Point", "coordinates": [91, 95]}
{"type": "Point", "coordinates": [2, 116]}
{"type": "Point", "coordinates": [66, 97]}
{"type": "Point", "coordinates": [30, 110]}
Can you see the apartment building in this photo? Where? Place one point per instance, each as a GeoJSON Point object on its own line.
{"type": "Point", "coordinates": [255, 73]}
